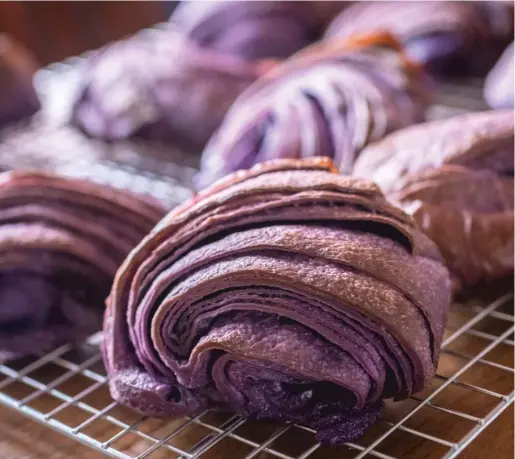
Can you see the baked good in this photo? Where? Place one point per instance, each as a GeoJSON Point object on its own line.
{"type": "Point", "coordinates": [446, 37]}
{"type": "Point", "coordinates": [285, 292]}
{"type": "Point", "coordinates": [499, 82]}
{"type": "Point", "coordinates": [331, 99]}
{"type": "Point", "coordinates": [254, 30]}
{"type": "Point", "coordinates": [61, 242]}
{"type": "Point", "coordinates": [18, 99]}
{"type": "Point", "coordinates": [159, 86]}
{"type": "Point", "coordinates": [455, 177]}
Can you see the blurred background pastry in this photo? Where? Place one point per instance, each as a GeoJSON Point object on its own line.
{"type": "Point", "coordinates": [330, 99]}
{"type": "Point", "coordinates": [499, 82]}
{"type": "Point", "coordinates": [255, 30]}
{"type": "Point", "coordinates": [160, 86]}
{"type": "Point", "coordinates": [448, 38]}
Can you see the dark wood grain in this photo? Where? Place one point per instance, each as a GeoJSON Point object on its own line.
{"type": "Point", "coordinates": [21, 438]}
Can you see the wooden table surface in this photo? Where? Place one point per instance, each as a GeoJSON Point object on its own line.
{"type": "Point", "coordinates": [21, 438]}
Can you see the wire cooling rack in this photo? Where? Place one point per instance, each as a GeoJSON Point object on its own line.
{"type": "Point", "coordinates": [67, 388]}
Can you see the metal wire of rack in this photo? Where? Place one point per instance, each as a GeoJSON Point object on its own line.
{"type": "Point", "coordinates": [67, 388]}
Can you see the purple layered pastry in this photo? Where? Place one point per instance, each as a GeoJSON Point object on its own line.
{"type": "Point", "coordinates": [254, 30]}
{"type": "Point", "coordinates": [159, 86]}
{"type": "Point", "coordinates": [455, 177]}
{"type": "Point", "coordinates": [61, 242]}
{"type": "Point", "coordinates": [446, 37]}
{"type": "Point", "coordinates": [329, 100]}
{"type": "Point", "coordinates": [18, 99]}
{"type": "Point", "coordinates": [285, 292]}
{"type": "Point", "coordinates": [499, 82]}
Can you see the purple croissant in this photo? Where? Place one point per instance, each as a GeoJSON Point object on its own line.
{"type": "Point", "coordinates": [61, 242]}
{"type": "Point", "coordinates": [254, 30]}
{"type": "Point", "coordinates": [18, 99]}
{"type": "Point", "coordinates": [455, 177]}
{"type": "Point", "coordinates": [329, 100]}
{"type": "Point", "coordinates": [499, 82]}
{"type": "Point", "coordinates": [286, 292]}
{"type": "Point", "coordinates": [446, 37]}
{"type": "Point", "coordinates": [159, 86]}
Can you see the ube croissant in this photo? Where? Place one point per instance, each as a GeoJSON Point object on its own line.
{"type": "Point", "coordinates": [61, 242]}
{"type": "Point", "coordinates": [329, 100]}
{"type": "Point", "coordinates": [254, 30]}
{"type": "Point", "coordinates": [286, 292]}
{"type": "Point", "coordinates": [18, 99]}
{"type": "Point", "coordinates": [499, 82]}
{"type": "Point", "coordinates": [159, 86]}
{"type": "Point", "coordinates": [456, 178]}
{"type": "Point", "coordinates": [446, 37]}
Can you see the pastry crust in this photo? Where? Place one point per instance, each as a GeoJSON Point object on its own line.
{"type": "Point", "coordinates": [61, 242]}
{"type": "Point", "coordinates": [287, 292]}
{"type": "Point", "coordinates": [455, 177]}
